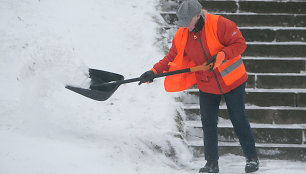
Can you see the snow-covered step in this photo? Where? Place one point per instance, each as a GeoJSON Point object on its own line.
{"type": "Point", "coordinates": [275, 49]}
{"type": "Point", "coordinates": [255, 6]}
{"type": "Point", "coordinates": [274, 35]}
{"type": "Point", "coordinates": [257, 49]}
{"type": "Point", "coordinates": [272, 58]}
{"type": "Point", "coordinates": [275, 65]}
{"type": "Point", "coordinates": [275, 43]}
{"type": "Point", "coordinates": [274, 28]}
{"type": "Point", "coordinates": [227, 124]}
{"type": "Point", "coordinates": [275, 151]}
{"type": "Point", "coordinates": [263, 133]}
{"type": "Point", "coordinates": [259, 97]}
{"type": "Point", "coordinates": [263, 34]}
{"type": "Point", "coordinates": [249, 6]}
{"type": "Point", "coordinates": [256, 114]}
{"type": "Point", "coordinates": [292, 82]}
{"type": "Point", "coordinates": [277, 90]}
{"type": "Point", "coordinates": [250, 19]}
{"type": "Point", "coordinates": [289, 81]}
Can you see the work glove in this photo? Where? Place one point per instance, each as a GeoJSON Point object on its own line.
{"type": "Point", "coordinates": [217, 59]}
{"type": "Point", "coordinates": [147, 77]}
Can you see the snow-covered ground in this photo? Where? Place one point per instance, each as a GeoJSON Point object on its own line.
{"type": "Point", "coordinates": [47, 129]}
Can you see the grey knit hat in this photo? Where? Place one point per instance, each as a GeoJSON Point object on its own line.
{"type": "Point", "coordinates": [186, 11]}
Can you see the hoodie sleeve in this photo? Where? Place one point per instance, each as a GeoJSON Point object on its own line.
{"type": "Point", "coordinates": [163, 65]}
{"type": "Point", "coordinates": [230, 36]}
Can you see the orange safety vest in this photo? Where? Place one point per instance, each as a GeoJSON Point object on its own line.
{"type": "Point", "coordinates": [230, 71]}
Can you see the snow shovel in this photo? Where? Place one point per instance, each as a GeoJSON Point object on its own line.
{"type": "Point", "coordinates": [104, 84]}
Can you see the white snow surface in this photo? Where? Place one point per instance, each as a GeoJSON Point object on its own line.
{"type": "Point", "coordinates": [47, 129]}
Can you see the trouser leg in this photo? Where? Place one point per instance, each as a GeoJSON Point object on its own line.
{"type": "Point", "coordinates": [209, 107]}
{"type": "Point", "coordinates": [236, 109]}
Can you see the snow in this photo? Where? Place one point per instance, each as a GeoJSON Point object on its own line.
{"type": "Point", "coordinates": [45, 128]}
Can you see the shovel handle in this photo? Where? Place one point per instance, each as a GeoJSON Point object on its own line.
{"type": "Point", "coordinates": [203, 67]}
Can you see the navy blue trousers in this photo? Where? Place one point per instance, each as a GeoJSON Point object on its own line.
{"type": "Point", "coordinates": [209, 107]}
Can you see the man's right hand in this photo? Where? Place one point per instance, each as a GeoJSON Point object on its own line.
{"type": "Point", "coordinates": [147, 77]}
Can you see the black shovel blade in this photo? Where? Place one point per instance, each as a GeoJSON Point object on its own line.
{"type": "Point", "coordinates": [92, 94]}
{"type": "Point", "coordinates": [99, 77]}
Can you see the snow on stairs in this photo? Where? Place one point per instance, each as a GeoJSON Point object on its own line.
{"type": "Point", "coordinates": [275, 59]}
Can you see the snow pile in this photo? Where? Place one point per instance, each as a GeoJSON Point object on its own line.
{"type": "Point", "coordinates": [46, 128]}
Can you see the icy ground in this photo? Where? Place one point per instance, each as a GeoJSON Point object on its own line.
{"type": "Point", "coordinates": [47, 129]}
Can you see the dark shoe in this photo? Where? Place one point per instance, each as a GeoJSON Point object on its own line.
{"type": "Point", "coordinates": [210, 167]}
{"type": "Point", "coordinates": [252, 165]}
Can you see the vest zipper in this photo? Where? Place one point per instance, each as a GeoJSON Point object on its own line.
{"type": "Point", "coordinates": [219, 86]}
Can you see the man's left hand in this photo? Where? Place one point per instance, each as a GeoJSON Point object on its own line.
{"type": "Point", "coordinates": [220, 57]}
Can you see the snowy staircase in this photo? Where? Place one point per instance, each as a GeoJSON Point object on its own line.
{"type": "Point", "coordinates": [275, 59]}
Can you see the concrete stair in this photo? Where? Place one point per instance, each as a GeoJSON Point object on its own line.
{"type": "Point", "coordinates": [275, 59]}
{"type": "Point", "coordinates": [253, 20]}
{"type": "Point", "coordinates": [256, 114]}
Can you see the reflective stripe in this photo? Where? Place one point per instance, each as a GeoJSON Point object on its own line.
{"type": "Point", "coordinates": [231, 68]}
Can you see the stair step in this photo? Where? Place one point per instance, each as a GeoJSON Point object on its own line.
{"type": "Point", "coordinates": [267, 34]}
{"type": "Point", "coordinates": [272, 151]}
{"type": "Point", "coordinates": [287, 81]}
{"type": "Point", "coordinates": [275, 49]}
{"type": "Point", "coordinates": [265, 48]}
{"type": "Point", "coordinates": [255, 114]}
{"type": "Point", "coordinates": [221, 6]}
{"type": "Point", "coordinates": [263, 133]}
{"type": "Point", "coordinates": [273, 58]}
{"type": "Point", "coordinates": [274, 66]}
{"type": "Point", "coordinates": [255, 6]}
{"type": "Point", "coordinates": [259, 97]}
{"type": "Point", "coordinates": [250, 19]}
{"type": "Point", "coordinates": [270, 81]}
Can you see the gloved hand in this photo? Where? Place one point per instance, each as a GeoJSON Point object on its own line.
{"type": "Point", "coordinates": [220, 57]}
{"type": "Point", "coordinates": [147, 77]}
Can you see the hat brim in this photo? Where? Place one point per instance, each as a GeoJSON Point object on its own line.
{"type": "Point", "coordinates": [183, 22]}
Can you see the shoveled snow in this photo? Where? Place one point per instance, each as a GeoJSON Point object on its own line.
{"type": "Point", "coordinates": [45, 128]}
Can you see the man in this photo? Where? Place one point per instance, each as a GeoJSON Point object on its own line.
{"type": "Point", "coordinates": [203, 37]}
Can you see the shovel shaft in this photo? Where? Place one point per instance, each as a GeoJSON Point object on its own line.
{"type": "Point", "coordinates": [202, 67]}
{"type": "Point", "coordinates": [172, 73]}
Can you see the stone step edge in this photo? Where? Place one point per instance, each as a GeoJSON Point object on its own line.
{"type": "Point", "coordinates": [197, 106]}
{"type": "Point", "coordinates": [276, 43]}
{"type": "Point", "coordinates": [296, 91]}
{"type": "Point", "coordinates": [259, 0]}
{"type": "Point", "coordinates": [293, 43]}
{"type": "Point", "coordinates": [280, 74]}
{"type": "Point", "coordinates": [251, 28]}
{"type": "Point", "coordinates": [240, 14]}
{"type": "Point", "coordinates": [303, 73]}
{"type": "Point", "coordinates": [198, 124]}
{"type": "Point", "coordinates": [272, 58]}
{"type": "Point", "coordinates": [199, 143]}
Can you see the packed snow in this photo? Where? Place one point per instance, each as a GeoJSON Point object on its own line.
{"type": "Point", "coordinates": [45, 128]}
